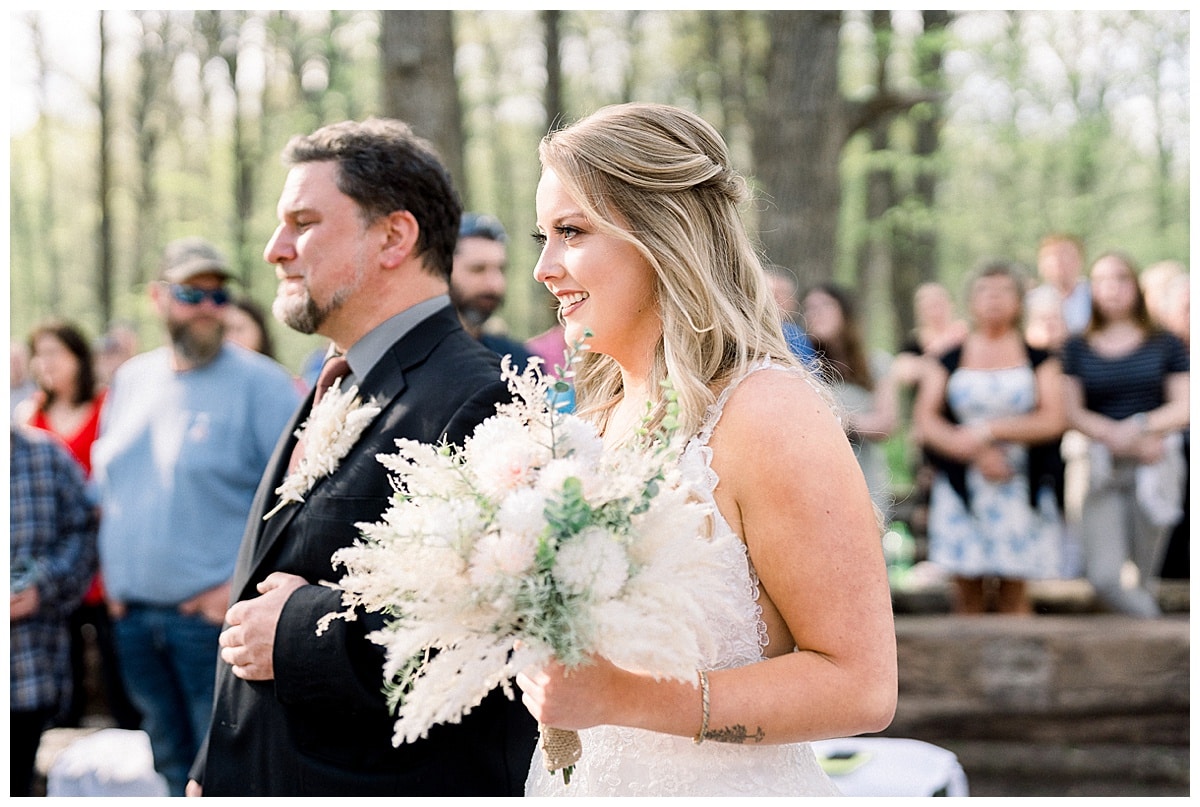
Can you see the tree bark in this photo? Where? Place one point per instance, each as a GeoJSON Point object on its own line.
{"type": "Point", "coordinates": [798, 137]}
{"type": "Point", "coordinates": [552, 33]}
{"type": "Point", "coordinates": [104, 245]}
{"type": "Point", "coordinates": [916, 252]}
{"type": "Point", "coordinates": [419, 86]}
{"type": "Point", "coordinates": [875, 259]}
{"type": "Point", "coordinates": [47, 242]}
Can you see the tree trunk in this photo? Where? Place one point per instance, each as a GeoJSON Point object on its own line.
{"type": "Point", "coordinates": [916, 255]}
{"type": "Point", "coordinates": [104, 246]}
{"type": "Point", "coordinates": [419, 86]}
{"type": "Point", "coordinates": [800, 130]}
{"type": "Point", "coordinates": [156, 58]}
{"type": "Point", "coordinates": [551, 21]}
{"type": "Point", "coordinates": [45, 148]}
{"type": "Point", "coordinates": [875, 256]}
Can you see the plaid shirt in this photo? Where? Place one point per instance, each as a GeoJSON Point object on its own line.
{"type": "Point", "coordinates": [52, 527]}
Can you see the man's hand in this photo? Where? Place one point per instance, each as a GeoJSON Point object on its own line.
{"type": "Point", "coordinates": [193, 789]}
{"type": "Point", "coordinates": [209, 604]}
{"type": "Point", "coordinates": [248, 644]}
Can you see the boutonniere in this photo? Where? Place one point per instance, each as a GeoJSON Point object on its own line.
{"type": "Point", "coordinates": [331, 429]}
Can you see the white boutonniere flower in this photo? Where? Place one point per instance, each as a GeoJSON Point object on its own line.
{"type": "Point", "coordinates": [332, 428]}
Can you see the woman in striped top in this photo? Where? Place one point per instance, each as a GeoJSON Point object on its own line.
{"type": "Point", "coordinates": [1127, 391]}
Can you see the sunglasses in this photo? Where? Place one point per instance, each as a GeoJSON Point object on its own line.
{"type": "Point", "coordinates": [190, 295]}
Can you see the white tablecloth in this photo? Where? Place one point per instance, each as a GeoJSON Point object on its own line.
{"type": "Point", "coordinates": [109, 762]}
{"type": "Point", "coordinates": [891, 766]}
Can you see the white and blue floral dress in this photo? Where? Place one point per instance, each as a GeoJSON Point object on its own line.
{"type": "Point", "coordinates": [999, 533]}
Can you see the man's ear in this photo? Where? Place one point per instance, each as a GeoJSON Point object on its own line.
{"type": "Point", "coordinates": [156, 290]}
{"type": "Point", "coordinates": [400, 238]}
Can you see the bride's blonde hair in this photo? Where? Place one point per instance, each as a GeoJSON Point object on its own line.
{"type": "Point", "coordinates": [659, 178]}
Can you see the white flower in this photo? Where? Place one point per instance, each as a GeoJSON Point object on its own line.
{"type": "Point", "coordinates": [592, 564]}
{"type": "Point", "coordinates": [522, 512]}
{"type": "Point", "coordinates": [330, 431]}
{"type": "Point", "coordinates": [503, 455]}
{"type": "Point", "coordinates": [552, 477]}
{"type": "Point", "coordinates": [572, 436]}
{"type": "Point", "coordinates": [500, 554]}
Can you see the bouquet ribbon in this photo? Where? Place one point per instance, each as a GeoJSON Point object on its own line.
{"type": "Point", "coordinates": [561, 749]}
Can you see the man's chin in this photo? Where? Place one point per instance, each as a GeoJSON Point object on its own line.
{"type": "Point", "coordinates": [297, 313]}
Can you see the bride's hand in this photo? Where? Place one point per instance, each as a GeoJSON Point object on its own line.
{"type": "Point", "coordinates": [573, 699]}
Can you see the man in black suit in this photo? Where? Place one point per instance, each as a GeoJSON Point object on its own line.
{"type": "Point", "coordinates": [368, 222]}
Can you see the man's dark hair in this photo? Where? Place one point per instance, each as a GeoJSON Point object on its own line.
{"type": "Point", "coordinates": [384, 167]}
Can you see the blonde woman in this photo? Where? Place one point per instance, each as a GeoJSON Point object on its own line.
{"type": "Point", "coordinates": [642, 244]}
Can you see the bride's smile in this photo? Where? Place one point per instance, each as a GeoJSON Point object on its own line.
{"type": "Point", "coordinates": [602, 282]}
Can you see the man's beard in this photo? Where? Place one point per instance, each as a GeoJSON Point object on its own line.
{"type": "Point", "coordinates": [195, 346]}
{"type": "Point", "coordinates": [477, 310]}
{"type": "Point", "coordinates": [304, 314]}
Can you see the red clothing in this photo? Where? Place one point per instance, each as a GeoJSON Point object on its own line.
{"type": "Point", "coordinates": [79, 443]}
{"type": "Point", "coordinates": [80, 446]}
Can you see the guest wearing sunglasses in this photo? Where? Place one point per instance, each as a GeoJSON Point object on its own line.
{"type": "Point", "coordinates": [185, 434]}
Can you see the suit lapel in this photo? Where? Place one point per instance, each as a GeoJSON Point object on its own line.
{"type": "Point", "coordinates": [261, 533]}
{"type": "Point", "coordinates": [384, 384]}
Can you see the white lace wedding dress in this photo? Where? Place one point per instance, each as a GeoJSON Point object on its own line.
{"type": "Point", "coordinates": [632, 762]}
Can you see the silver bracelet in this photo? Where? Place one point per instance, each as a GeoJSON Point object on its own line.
{"type": "Point", "coordinates": [699, 738]}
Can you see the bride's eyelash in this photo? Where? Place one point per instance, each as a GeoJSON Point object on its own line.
{"type": "Point", "coordinates": [564, 230]}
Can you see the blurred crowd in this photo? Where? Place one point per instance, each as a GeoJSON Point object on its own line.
{"type": "Point", "coordinates": [1039, 430]}
{"type": "Point", "coordinates": [1033, 426]}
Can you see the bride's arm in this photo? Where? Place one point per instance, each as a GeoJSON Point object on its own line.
{"type": "Point", "coordinates": [803, 508]}
{"type": "Point", "coordinates": [791, 486]}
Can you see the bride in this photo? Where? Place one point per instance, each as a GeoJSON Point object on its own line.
{"type": "Point", "coordinates": [642, 244]}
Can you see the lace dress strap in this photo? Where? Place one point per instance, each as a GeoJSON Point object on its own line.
{"type": "Point", "coordinates": [713, 414]}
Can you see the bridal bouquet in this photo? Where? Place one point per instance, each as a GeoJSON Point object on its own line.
{"type": "Point", "coordinates": [529, 542]}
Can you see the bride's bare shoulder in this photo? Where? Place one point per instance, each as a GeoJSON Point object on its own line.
{"type": "Point", "coordinates": [773, 401]}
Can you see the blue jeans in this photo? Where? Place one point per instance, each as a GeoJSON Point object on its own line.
{"type": "Point", "coordinates": [168, 663]}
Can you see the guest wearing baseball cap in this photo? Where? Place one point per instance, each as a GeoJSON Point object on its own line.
{"type": "Point", "coordinates": [185, 434]}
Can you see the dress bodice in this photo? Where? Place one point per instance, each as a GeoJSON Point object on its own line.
{"type": "Point", "coordinates": [625, 761]}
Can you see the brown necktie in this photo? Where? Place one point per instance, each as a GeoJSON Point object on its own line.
{"type": "Point", "coordinates": [335, 367]}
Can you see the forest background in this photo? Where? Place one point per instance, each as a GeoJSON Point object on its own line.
{"type": "Point", "coordinates": [887, 147]}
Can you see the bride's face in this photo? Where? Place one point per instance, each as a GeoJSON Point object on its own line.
{"type": "Point", "coordinates": [603, 284]}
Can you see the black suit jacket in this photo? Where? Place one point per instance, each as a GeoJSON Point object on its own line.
{"type": "Point", "coordinates": [322, 726]}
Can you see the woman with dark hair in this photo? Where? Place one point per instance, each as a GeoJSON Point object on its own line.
{"type": "Point", "coordinates": [1128, 393]}
{"type": "Point", "coordinates": [861, 383]}
{"type": "Point", "coordinates": [246, 325]}
{"type": "Point", "coordinates": [67, 404]}
{"type": "Point", "coordinates": [68, 399]}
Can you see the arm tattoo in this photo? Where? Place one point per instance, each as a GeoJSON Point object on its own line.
{"type": "Point", "coordinates": [735, 734]}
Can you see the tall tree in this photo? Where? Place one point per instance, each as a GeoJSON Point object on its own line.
{"type": "Point", "coordinates": [804, 110]}
{"type": "Point", "coordinates": [104, 245]}
{"type": "Point", "coordinates": [802, 124]}
{"type": "Point", "coordinates": [227, 34]}
{"type": "Point", "coordinates": [875, 254]}
{"type": "Point", "coordinates": [915, 257]}
{"type": "Point", "coordinates": [419, 86]}
{"type": "Point", "coordinates": [45, 151]}
{"type": "Point", "coordinates": [156, 54]}
{"type": "Point", "coordinates": [552, 36]}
